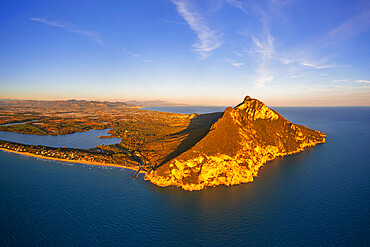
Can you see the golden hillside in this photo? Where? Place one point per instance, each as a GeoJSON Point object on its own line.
{"type": "Point", "coordinates": [233, 149]}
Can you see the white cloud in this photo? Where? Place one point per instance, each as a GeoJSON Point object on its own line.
{"type": "Point", "coordinates": [237, 64]}
{"type": "Point", "coordinates": [233, 63]}
{"type": "Point", "coordinates": [50, 23]}
{"type": "Point", "coordinates": [131, 53]}
{"type": "Point", "coordinates": [209, 39]}
{"type": "Point", "coordinates": [353, 26]}
{"type": "Point", "coordinates": [237, 4]}
{"type": "Point", "coordinates": [262, 49]}
{"type": "Point", "coordinates": [239, 54]}
{"type": "Point", "coordinates": [265, 50]}
{"type": "Point", "coordinates": [362, 81]}
{"type": "Point", "coordinates": [137, 56]}
{"type": "Point", "coordinates": [309, 64]}
{"type": "Point", "coordinates": [88, 34]}
{"type": "Point", "coordinates": [336, 81]}
{"type": "Point", "coordinates": [263, 76]}
{"type": "Point", "coordinates": [325, 66]}
{"type": "Point", "coordinates": [317, 48]}
{"type": "Point", "coordinates": [307, 57]}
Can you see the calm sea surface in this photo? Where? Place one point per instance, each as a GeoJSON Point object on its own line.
{"type": "Point", "coordinates": [320, 197]}
{"type": "Point", "coordinates": [187, 109]}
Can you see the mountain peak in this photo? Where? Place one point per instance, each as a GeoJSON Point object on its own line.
{"type": "Point", "coordinates": [255, 109]}
{"type": "Point", "coordinates": [247, 98]}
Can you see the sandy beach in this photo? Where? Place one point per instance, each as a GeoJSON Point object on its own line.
{"type": "Point", "coordinates": [71, 161]}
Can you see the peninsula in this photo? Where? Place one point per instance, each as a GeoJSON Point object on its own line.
{"type": "Point", "coordinates": [188, 151]}
{"type": "Point", "coordinates": [235, 147]}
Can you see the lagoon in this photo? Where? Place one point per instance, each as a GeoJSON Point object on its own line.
{"type": "Point", "coordinates": [84, 140]}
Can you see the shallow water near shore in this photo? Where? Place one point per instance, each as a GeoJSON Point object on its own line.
{"type": "Point", "coordinates": [317, 197]}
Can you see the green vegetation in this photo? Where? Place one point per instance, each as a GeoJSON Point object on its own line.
{"type": "Point", "coordinates": [79, 155]}
{"type": "Point", "coordinates": [143, 133]}
{"type": "Point", "coordinates": [24, 128]}
{"type": "Point", "coordinates": [135, 134]}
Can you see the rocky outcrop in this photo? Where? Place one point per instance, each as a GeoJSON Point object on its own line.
{"type": "Point", "coordinates": [237, 145]}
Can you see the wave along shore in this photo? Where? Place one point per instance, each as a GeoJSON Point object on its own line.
{"type": "Point", "coordinates": [69, 155]}
{"type": "Point", "coordinates": [71, 161]}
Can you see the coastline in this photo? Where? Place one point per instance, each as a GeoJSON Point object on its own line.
{"type": "Point", "coordinates": [71, 161]}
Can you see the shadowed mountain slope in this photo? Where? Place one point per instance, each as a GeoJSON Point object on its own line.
{"type": "Point", "coordinates": [232, 150]}
{"type": "Point", "coordinates": [170, 146]}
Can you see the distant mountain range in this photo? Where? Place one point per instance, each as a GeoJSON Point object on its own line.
{"type": "Point", "coordinates": [153, 103]}
{"type": "Point", "coordinates": [84, 103]}
{"type": "Point", "coordinates": [5, 100]}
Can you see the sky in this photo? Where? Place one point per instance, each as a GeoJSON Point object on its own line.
{"type": "Point", "coordinates": [199, 52]}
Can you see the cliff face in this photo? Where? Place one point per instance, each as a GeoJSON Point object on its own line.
{"type": "Point", "coordinates": [237, 145]}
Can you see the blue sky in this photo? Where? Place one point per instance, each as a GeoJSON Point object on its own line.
{"type": "Point", "coordinates": [205, 52]}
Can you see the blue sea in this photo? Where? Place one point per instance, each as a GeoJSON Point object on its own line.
{"type": "Point", "coordinates": [319, 197]}
{"type": "Point", "coordinates": [187, 109]}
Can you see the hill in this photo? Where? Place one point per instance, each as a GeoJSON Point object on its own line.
{"type": "Point", "coordinates": [234, 148]}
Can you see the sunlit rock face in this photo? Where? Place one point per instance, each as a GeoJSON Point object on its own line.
{"type": "Point", "coordinates": [237, 145]}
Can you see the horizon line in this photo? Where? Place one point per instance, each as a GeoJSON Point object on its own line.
{"type": "Point", "coordinates": [176, 103]}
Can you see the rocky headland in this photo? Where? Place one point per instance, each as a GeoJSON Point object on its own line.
{"type": "Point", "coordinates": [232, 150]}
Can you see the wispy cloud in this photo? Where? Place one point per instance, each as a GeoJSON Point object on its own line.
{"type": "Point", "coordinates": [351, 27]}
{"type": "Point", "coordinates": [339, 81]}
{"type": "Point", "coordinates": [263, 76]}
{"type": "Point", "coordinates": [309, 64]}
{"type": "Point", "coordinates": [306, 57]}
{"type": "Point", "coordinates": [281, 3]}
{"type": "Point", "coordinates": [94, 36]}
{"type": "Point", "coordinates": [234, 63]}
{"type": "Point", "coordinates": [90, 35]}
{"type": "Point", "coordinates": [336, 36]}
{"type": "Point", "coordinates": [362, 81]}
{"type": "Point", "coordinates": [137, 56]}
{"type": "Point", "coordinates": [265, 50]}
{"type": "Point", "coordinates": [208, 39]}
{"type": "Point", "coordinates": [50, 23]}
{"type": "Point", "coordinates": [131, 53]}
{"type": "Point", "coordinates": [239, 54]}
{"type": "Point", "coordinates": [262, 49]}
{"type": "Point", "coordinates": [237, 4]}
{"type": "Point", "coordinates": [237, 64]}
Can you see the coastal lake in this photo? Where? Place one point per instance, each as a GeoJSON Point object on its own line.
{"type": "Point", "coordinates": [319, 197]}
{"type": "Point", "coordinates": [85, 140]}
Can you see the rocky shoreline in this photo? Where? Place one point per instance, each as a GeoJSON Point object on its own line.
{"type": "Point", "coordinates": [237, 145]}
